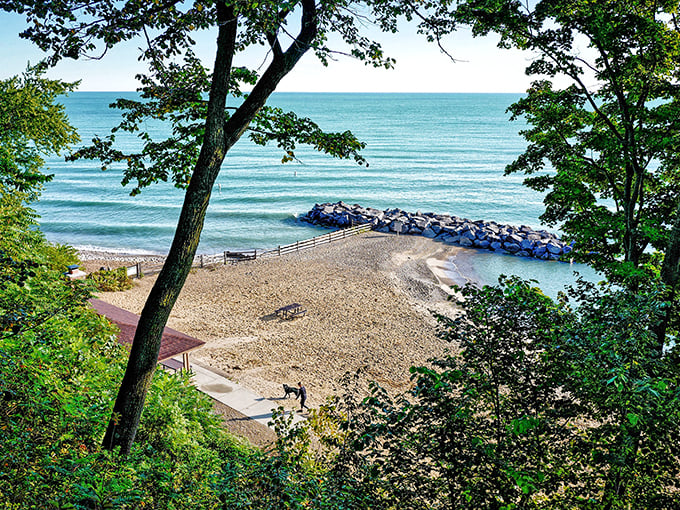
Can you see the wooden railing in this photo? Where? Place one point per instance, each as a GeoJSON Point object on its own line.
{"type": "Point", "coordinates": [234, 257]}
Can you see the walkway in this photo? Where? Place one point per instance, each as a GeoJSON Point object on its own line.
{"type": "Point", "coordinates": [236, 396]}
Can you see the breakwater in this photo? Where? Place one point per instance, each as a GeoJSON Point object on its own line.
{"type": "Point", "coordinates": [521, 241]}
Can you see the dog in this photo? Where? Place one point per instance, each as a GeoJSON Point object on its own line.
{"type": "Point", "coordinates": [290, 389]}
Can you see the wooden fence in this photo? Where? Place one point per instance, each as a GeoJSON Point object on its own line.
{"type": "Point", "coordinates": [234, 257]}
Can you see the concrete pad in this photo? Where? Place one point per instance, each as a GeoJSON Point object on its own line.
{"type": "Point", "coordinates": [236, 396]}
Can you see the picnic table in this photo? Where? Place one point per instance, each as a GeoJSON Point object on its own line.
{"type": "Point", "coordinates": [291, 311]}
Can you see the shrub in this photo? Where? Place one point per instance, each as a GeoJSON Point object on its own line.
{"type": "Point", "coordinates": [111, 281]}
{"type": "Point", "coordinates": [60, 256]}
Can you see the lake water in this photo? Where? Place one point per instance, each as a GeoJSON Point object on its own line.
{"type": "Point", "coordinates": [443, 153]}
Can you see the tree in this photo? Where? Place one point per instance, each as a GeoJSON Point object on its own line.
{"type": "Point", "coordinates": [611, 135]}
{"type": "Point", "coordinates": [539, 404]}
{"type": "Point", "coordinates": [203, 131]}
{"type": "Point", "coordinates": [32, 125]}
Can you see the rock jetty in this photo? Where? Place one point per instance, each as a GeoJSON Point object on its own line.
{"type": "Point", "coordinates": [521, 241]}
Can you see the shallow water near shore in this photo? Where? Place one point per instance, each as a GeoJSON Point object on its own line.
{"type": "Point", "coordinates": [484, 268]}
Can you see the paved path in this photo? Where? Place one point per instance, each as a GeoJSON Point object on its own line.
{"type": "Point", "coordinates": [235, 396]}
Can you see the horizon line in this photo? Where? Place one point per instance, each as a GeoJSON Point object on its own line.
{"type": "Point", "coordinates": [342, 92]}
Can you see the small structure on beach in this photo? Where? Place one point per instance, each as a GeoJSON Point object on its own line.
{"type": "Point", "coordinates": [73, 272]}
{"type": "Point", "coordinates": [173, 342]}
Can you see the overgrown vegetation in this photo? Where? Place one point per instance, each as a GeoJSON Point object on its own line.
{"type": "Point", "coordinates": [545, 405]}
{"type": "Point", "coordinates": [111, 280]}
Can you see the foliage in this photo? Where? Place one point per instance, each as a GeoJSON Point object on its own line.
{"type": "Point", "coordinates": [111, 280]}
{"type": "Point", "coordinates": [31, 126]}
{"type": "Point", "coordinates": [546, 405]}
{"type": "Point", "coordinates": [59, 370]}
{"type": "Point", "coordinates": [16, 224]}
{"type": "Point", "coordinates": [60, 256]}
{"type": "Point", "coordinates": [605, 147]}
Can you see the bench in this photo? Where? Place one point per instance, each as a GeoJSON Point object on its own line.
{"type": "Point", "coordinates": [299, 313]}
{"type": "Point", "coordinates": [172, 364]}
{"type": "Point", "coordinates": [291, 311]}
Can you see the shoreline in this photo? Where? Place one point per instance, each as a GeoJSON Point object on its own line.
{"type": "Point", "coordinates": [369, 302]}
{"type": "Point", "coordinates": [452, 269]}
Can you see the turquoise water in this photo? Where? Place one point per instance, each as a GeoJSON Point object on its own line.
{"type": "Point", "coordinates": [443, 153]}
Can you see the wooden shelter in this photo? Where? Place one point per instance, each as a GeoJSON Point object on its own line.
{"type": "Point", "coordinates": [173, 342]}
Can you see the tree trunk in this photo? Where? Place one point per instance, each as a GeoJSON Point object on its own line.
{"type": "Point", "coordinates": [670, 272]}
{"type": "Point", "coordinates": [127, 410]}
{"type": "Point", "coordinates": [219, 137]}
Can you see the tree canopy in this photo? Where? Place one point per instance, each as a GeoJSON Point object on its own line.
{"type": "Point", "coordinates": [605, 146]}
{"type": "Point", "coordinates": [538, 404]}
{"type": "Point", "coordinates": [32, 125]}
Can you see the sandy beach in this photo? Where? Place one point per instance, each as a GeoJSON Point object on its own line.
{"type": "Point", "coordinates": [369, 302]}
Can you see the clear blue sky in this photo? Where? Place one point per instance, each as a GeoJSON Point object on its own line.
{"type": "Point", "coordinates": [421, 67]}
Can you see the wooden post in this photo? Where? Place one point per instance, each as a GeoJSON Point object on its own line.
{"type": "Point", "coordinates": [255, 253]}
{"type": "Point", "coordinates": [138, 269]}
{"type": "Point", "coordinates": [279, 250]}
{"type": "Point", "coordinates": [225, 258]}
{"type": "Point", "coordinates": [201, 260]}
{"type": "Point", "coordinates": [185, 358]}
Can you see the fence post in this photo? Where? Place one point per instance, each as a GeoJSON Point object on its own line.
{"type": "Point", "coordinates": [255, 253]}
{"type": "Point", "coordinates": [297, 245]}
{"type": "Point", "coordinates": [201, 260]}
{"type": "Point", "coordinates": [138, 269]}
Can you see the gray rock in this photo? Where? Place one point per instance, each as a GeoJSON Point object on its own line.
{"type": "Point", "coordinates": [522, 241]}
{"type": "Point", "coordinates": [514, 239]}
{"type": "Point", "coordinates": [539, 250]}
{"type": "Point", "coordinates": [429, 232]}
{"type": "Point", "coordinates": [527, 244]}
{"type": "Point", "coordinates": [554, 248]}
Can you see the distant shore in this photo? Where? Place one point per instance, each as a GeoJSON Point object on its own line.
{"type": "Point", "coordinates": [369, 302]}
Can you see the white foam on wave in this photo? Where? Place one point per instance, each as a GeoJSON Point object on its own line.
{"type": "Point", "coordinates": [94, 251]}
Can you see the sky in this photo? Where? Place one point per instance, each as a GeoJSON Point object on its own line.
{"type": "Point", "coordinates": [421, 67]}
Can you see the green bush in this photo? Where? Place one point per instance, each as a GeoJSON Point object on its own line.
{"type": "Point", "coordinates": [60, 256]}
{"type": "Point", "coordinates": [111, 281]}
{"type": "Point", "coordinates": [60, 369]}
{"type": "Point", "coordinates": [542, 405]}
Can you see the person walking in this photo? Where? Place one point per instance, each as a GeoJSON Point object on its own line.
{"type": "Point", "coordinates": [303, 396]}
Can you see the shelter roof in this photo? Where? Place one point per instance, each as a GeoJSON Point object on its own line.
{"type": "Point", "coordinates": [173, 342]}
